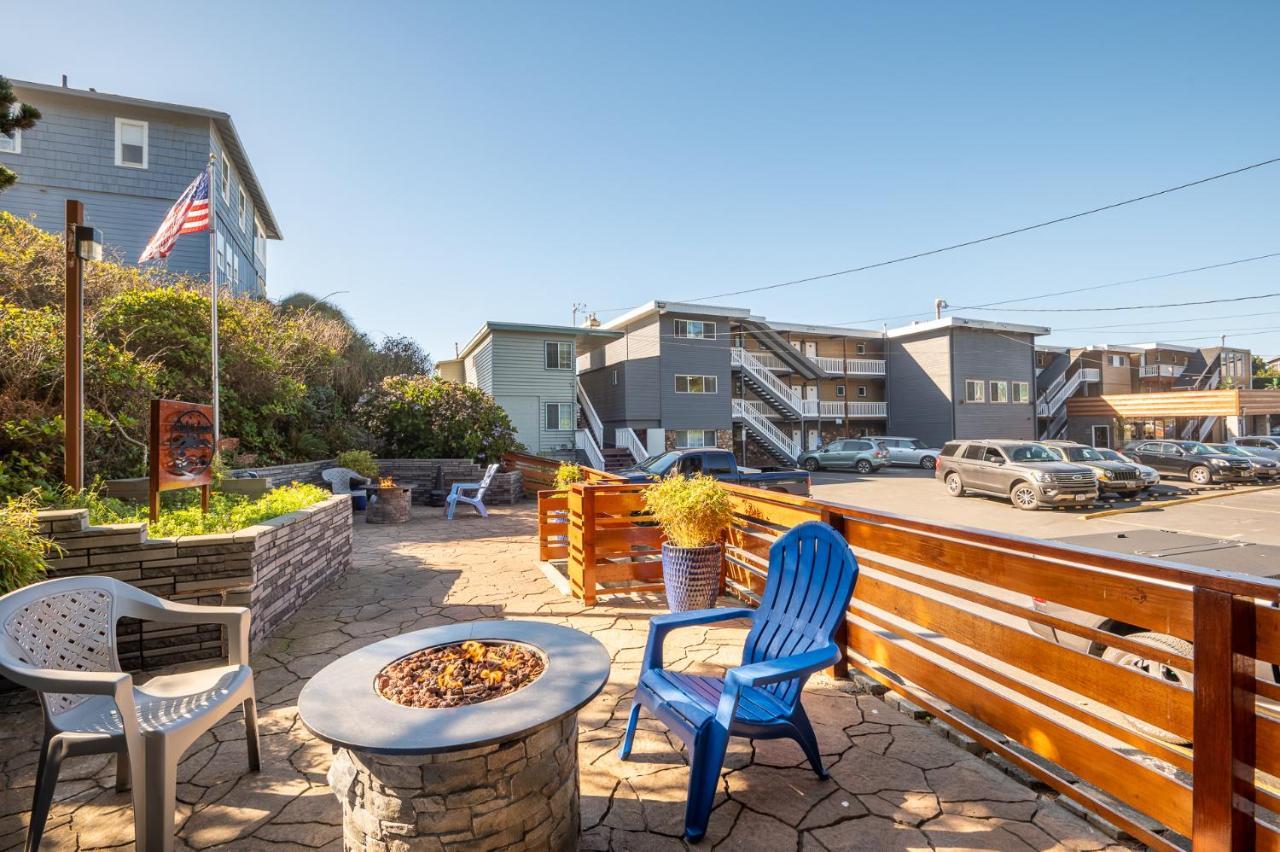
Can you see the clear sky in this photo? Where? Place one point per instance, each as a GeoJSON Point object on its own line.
{"type": "Point", "coordinates": [448, 163]}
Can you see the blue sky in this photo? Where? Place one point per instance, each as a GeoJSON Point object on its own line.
{"type": "Point", "coordinates": [445, 164]}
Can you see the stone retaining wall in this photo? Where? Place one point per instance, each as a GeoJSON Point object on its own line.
{"type": "Point", "coordinates": [273, 568]}
{"type": "Point", "coordinates": [505, 488]}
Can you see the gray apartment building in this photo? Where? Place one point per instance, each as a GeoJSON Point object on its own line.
{"type": "Point", "coordinates": [128, 160]}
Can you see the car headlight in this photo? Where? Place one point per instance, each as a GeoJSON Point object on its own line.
{"type": "Point", "coordinates": [1041, 476]}
{"type": "Point", "coordinates": [1219, 462]}
{"type": "Point", "coordinates": [1104, 474]}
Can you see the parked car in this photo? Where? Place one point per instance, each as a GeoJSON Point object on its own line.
{"type": "Point", "coordinates": [1263, 467]}
{"type": "Point", "coordinates": [1192, 459]}
{"type": "Point", "coordinates": [723, 466]}
{"type": "Point", "coordinates": [1269, 446]}
{"type": "Point", "coordinates": [1150, 476]}
{"type": "Point", "coordinates": [1114, 477]}
{"type": "Point", "coordinates": [865, 455]}
{"type": "Point", "coordinates": [911, 452]}
{"type": "Point", "coordinates": [1027, 473]}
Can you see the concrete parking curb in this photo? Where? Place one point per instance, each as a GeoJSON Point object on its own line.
{"type": "Point", "coordinates": [1194, 498]}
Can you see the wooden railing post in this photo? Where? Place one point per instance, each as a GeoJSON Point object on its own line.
{"type": "Point", "coordinates": [1224, 724]}
{"type": "Point", "coordinates": [840, 669]}
{"type": "Point", "coordinates": [588, 544]}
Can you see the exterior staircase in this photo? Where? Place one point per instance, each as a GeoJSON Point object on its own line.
{"type": "Point", "coordinates": [766, 385]}
{"type": "Point", "coordinates": [769, 437]}
{"type": "Point", "coordinates": [1051, 407]}
{"type": "Point", "coordinates": [616, 458]}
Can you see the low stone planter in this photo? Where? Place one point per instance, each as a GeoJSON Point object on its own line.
{"type": "Point", "coordinates": [273, 568]}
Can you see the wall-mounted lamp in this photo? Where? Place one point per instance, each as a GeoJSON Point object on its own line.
{"type": "Point", "coordinates": [88, 243]}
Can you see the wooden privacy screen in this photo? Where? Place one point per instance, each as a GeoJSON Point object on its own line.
{"type": "Point", "coordinates": [942, 615]}
{"type": "Point", "coordinates": [538, 473]}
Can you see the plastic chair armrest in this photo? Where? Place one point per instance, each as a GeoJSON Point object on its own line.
{"type": "Point", "coordinates": [73, 683]}
{"type": "Point", "coordinates": [783, 668]}
{"type": "Point", "coordinates": [234, 618]}
{"type": "Point", "coordinates": [661, 625]}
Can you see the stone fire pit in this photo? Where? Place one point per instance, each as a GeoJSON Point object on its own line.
{"type": "Point", "coordinates": [500, 773]}
{"type": "Point", "coordinates": [390, 505]}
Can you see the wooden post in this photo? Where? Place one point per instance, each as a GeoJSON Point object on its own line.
{"type": "Point", "coordinates": [73, 360]}
{"type": "Point", "coordinates": [588, 545]}
{"type": "Point", "coordinates": [840, 669]}
{"type": "Point", "coordinates": [1224, 724]}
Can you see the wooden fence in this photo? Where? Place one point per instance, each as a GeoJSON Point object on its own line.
{"type": "Point", "coordinates": [941, 615]}
{"type": "Point", "coordinates": [539, 474]}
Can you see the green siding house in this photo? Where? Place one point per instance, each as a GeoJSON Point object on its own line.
{"type": "Point", "coordinates": [531, 371]}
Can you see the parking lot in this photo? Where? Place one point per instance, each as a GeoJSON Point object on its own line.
{"type": "Point", "coordinates": [1241, 515]}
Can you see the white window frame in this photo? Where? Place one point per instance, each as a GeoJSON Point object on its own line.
{"type": "Point", "coordinates": [1020, 392]}
{"type": "Point", "coordinates": [840, 390]}
{"type": "Point", "coordinates": [559, 344]}
{"type": "Point", "coordinates": [146, 143]}
{"type": "Point", "coordinates": [259, 238]}
{"type": "Point", "coordinates": [613, 377]}
{"type": "Point", "coordinates": [243, 199]}
{"type": "Point", "coordinates": [682, 438]}
{"type": "Point", "coordinates": [862, 390]}
{"type": "Point", "coordinates": [971, 385]}
{"type": "Point", "coordinates": [16, 142]}
{"type": "Point", "coordinates": [999, 391]}
{"type": "Point", "coordinates": [707, 381]}
{"type": "Point", "coordinates": [226, 180]}
{"type": "Point", "coordinates": [681, 327]}
{"type": "Point", "coordinates": [861, 349]}
{"type": "Point", "coordinates": [235, 269]}
{"type": "Point", "coordinates": [560, 417]}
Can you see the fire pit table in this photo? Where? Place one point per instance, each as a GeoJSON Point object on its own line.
{"type": "Point", "coordinates": [391, 502]}
{"type": "Point", "coordinates": [487, 757]}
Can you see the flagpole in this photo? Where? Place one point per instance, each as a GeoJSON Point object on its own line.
{"type": "Point", "coordinates": [213, 299]}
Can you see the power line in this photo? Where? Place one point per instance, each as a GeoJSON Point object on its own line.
{"type": "Point", "coordinates": [1134, 307]}
{"type": "Point", "coordinates": [1129, 325]}
{"type": "Point", "coordinates": [1013, 232]}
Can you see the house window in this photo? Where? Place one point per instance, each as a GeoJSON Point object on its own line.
{"type": "Point", "coordinates": [226, 179]}
{"type": "Point", "coordinates": [862, 349]}
{"type": "Point", "coordinates": [974, 390]}
{"type": "Point", "coordinates": [686, 438]}
{"type": "Point", "coordinates": [259, 239]}
{"type": "Point", "coordinates": [11, 146]}
{"type": "Point", "coordinates": [862, 390]}
{"type": "Point", "coordinates": [235, 269]}
{"type": "Point", "coordinates": [613, 377]}
{"type": "Point", "coordinates": [131, 143]}
{"type": "Point", "coordinates": [1021, 391]}
{"type": "Point", "coordinates": [839, 390]}
{"type": "Point", "coordinates": [559, 355]}
{"type": "Point", "coordinates": [999, 391]}
{"type": "Point", "coordinates": [242, 210]}
{"type": "Point", "coordinates": [1118, 360]}
{"type": "Point", "coordinates": [560, 416]}
{"type": "Point", "coordinates": [695, 328]}
{"type": "Point", "coordinates": [697, 384]}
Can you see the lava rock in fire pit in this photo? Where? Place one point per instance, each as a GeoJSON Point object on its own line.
{"type": "Point", "coordinates": [459, 674]}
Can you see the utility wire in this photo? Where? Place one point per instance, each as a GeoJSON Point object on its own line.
{"type": "Point", "coordinates": [1135, 307]}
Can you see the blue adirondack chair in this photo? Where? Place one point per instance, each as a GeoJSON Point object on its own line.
{"type": "Point", "coordinates": [811, 578]}
{"type": "Point", "coordinates": [457, 494]}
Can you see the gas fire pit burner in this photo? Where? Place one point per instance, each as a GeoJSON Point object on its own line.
{"type": "Point", "coordinates": [421, 761]}
{"type": "Point", "coordinates": [458, 674]}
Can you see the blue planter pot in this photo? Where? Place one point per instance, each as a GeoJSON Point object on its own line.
{"type": "Point", "coordinates": [691, 576]}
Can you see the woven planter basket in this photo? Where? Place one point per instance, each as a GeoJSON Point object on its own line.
{"type": "Point", "coordinates": [691, 576]}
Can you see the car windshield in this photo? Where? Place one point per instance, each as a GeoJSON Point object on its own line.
{"type": "Point", "coordinates": [1031, 453]}
{"type": "Point", "coordinates": [1110, 455]}
{"type": "Point", "coordinates": [1196, 448]}
{"type": "Point", "coordinates": [917, 444]}
{"type": "Point", "coordinates": [1082, 454]}
{"type": "Point", "coordinates": [659, 465]}
{"type": "Point", "coordinates": [1229, 449]}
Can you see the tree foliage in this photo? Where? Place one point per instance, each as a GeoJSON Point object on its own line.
{"type": "Point", "coordinates": [428, 417]}
{"type": "Point", "coordinates": [14, 116]}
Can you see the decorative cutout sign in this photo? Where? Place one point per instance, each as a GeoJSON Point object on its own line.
{"type": "Point", "coordinates": [181, 449]}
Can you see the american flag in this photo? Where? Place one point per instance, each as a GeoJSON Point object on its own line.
{"type": "Point", "coordinates": [188, 215]}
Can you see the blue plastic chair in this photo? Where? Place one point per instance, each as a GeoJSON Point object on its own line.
{"type": "Point", "coordinates": [476, 501]}
{"type": "Point", "coordinates": [811, 577]}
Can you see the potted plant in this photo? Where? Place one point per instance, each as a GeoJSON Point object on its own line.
{"type": "Point", "coordinates": [694, 513]}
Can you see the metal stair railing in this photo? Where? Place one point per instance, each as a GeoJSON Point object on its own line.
{"type": "Point", "coordinates": [593, 419]}
{"type": "Point", "coordinates": [766, 430]}
{"type": "Point", "coordinates": [740, 357]}
{"type": "Point", "coordinates": [583, 440]}
{"type": "Point", "coordinates": [627, 438]}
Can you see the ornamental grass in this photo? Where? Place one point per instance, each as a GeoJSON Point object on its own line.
{"type": "Point", "coordinates": [693, 511]}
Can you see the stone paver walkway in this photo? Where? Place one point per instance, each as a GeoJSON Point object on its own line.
{"type": "Point", "coordinates": [895, 784]}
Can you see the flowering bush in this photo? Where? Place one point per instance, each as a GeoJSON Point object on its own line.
{"type": "Point", "coordinates": [425, 417]}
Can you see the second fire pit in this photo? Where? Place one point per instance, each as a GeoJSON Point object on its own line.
{"type": "Point", "coordinates": [464, 735]}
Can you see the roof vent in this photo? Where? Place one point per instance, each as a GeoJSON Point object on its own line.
{"type": "Point", "coordinates": [64, 81]}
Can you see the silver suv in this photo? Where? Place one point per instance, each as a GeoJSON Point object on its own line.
{"type": "Point", "coordinates": [910, 451]}
{"type": "Point", "coordinates": [1025, 472]}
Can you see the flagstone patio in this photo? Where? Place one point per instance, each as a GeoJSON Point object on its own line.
{"type": "Point", "coordinates": [895, 783]}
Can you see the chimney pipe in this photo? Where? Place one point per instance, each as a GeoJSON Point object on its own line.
{"type": "Point", "coordinates": [64, 81]}
{"type": "Point", "coordinates": [938, 305]}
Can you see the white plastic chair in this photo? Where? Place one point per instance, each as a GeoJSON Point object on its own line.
{"type": "Point", "coordinates": [456, 496]}
{"type": "Point", "coordinates": [58, 637]}
{"type": "Point", "coordinates": [339, 479]}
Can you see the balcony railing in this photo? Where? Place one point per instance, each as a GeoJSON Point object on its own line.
{"type": "Point", "coordinates": [868, 409]}
{"type": "Point", "coordinates": [1147, 371]}
{"type": "Point", "coordinates": [864, 367]}
{"type": "Point", "coordinates": [768, 360]}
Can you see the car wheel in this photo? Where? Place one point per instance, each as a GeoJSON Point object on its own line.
{"type": "Point", "coordinates": [863, 466]}
{"type": "Point", "coordinates": [928, 462]}
{"type": "Point", "coordinates": [1200, 475]}
{"type": "Point", "coordinates": [1156, 669]}
{"type": "Point", "coordinates": [1024, 497]}
{"type": "Point", "coordinates": [955, 486]}
{"type": "Point", "coordinates": [811, 465]}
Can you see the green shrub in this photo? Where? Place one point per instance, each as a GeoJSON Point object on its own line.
{"type": "Point", "coordinates": [22, 549]}
{"type": "Point", "coordinates": [693, 511]}
{"type": "Point", "coordinates": [426, 417]}
{"type": "Point", "coordinates": [361, 461]}
{"type": "Point", "coordinates": [568, 473]}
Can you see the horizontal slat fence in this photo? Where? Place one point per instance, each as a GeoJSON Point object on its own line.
{"type": "Point", "coordinates": [941, 614]}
